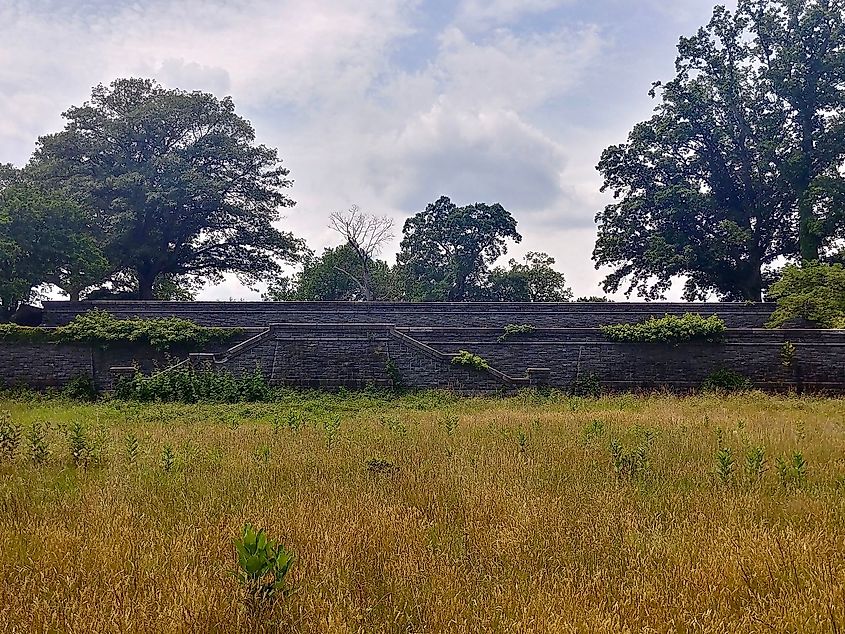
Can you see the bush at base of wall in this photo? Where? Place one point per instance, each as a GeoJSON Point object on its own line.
{"type": "Point", "coordinates": [97, 327]}
{"type": "Point", "coordinates": [670, 329]}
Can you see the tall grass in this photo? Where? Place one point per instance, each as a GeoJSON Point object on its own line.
{"type": "Point", "coordinates": [495, 514]}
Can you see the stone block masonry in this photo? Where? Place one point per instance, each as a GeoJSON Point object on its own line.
{"type": "Point", "coordinates": [332, 344]}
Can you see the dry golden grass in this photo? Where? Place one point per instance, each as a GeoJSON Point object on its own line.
{"type": "Point", "coordinates": [473, 534]}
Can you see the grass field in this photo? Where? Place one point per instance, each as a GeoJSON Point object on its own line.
{"type": "Point", "coordinates": [525, 514]}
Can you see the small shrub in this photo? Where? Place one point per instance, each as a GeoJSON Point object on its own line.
{"type": "Point", "coordinates": [586, 385]}
{"type": "Point", "coordinates": [469, 360]}
{"type": "Point", "coordinates": [726, 380]}
{"type": "Point", "coordinates": [10, 436]}
{"type": "Point", "coordinates": [190, 385]}
{"type": "Point", "coordinates": [263, 566]}
{"type": "Point", "coordinates": [671, 329]}
{"type": "Point", "coordinates": [515, 330]}
{"type": "Point", "coordinates": [394, 374]}
{"type": "Point", "coordinates": [81, 388]}
{"type": "Point", "coordinates": [37, 441]}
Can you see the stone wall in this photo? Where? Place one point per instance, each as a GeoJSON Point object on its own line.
{"type": "Point", "coordinates": [329, 344]}
{"type": "Point", "coordinates": [434, 314]}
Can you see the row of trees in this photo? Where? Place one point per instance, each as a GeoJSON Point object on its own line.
{"type": "Point", "coordinates": [446, 254]}
{"type": "Point", "coordinates": [149, 192]}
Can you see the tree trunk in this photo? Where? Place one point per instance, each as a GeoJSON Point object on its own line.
{"type": "Point", "coordinates": [145, 286]}
{"type": "Point", "coordinates": [73, 295]}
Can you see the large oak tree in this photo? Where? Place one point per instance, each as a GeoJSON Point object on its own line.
{"type": "Point", "coordinates": [179, 185]}
{"type": "Point", "coordinates": [741, 163]}
{"type": "Point", "coordinates": [446, 250]}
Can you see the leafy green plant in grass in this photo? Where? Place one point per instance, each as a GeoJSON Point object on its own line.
{"type": "Point", "coordinates": [726, 380]}
{"type": "Point", "coordinates": [132, 447]}
{"type": "Point", "coordinates": [449, 423]}
{"type": "Point", "coordinates": [515, 330]}
{"type": "Point", "coordinates": [725, 465]}
{"type": "Point", "coordinates": [168, 459]}
{"type": "Point", "coordinates": [263, 566]}
{"type": "Point", "coordinates": [585, 385]}
{"type": "Point", "coordinates": [37, 441]}
{"type": "Point", "coordinates": [331, 426]}
{"type": "Point", "coordinates": [755, 463]}
{"type": "Point", "coordinates": [393, 372]}
{"type": "Point", "coordinates": [671, 329]}
{"type": "Point", "coordinates": [592, 431]}
{"type": "Point", "coordinates": [467, 359]}
{"type": "Point", "coordinates": [81, 451]}
{"type": "Point", "coordinates": [10, 436]}
{"type": "Point", "coordinates": [792, 471]}
{"type": "Point", "coordinates": [787, 354]}
{"type": "Point", "coordinates": [631, 463]}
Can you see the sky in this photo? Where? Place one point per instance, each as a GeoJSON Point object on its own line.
{"type": "Point", "coordinates": [387, 104]}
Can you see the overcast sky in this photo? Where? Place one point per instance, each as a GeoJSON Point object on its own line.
{"type": "Point", "coordinates": [387, 104]}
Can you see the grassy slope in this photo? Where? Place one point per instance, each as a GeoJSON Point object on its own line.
{"type": "Point", "coordinates": [474, 533]}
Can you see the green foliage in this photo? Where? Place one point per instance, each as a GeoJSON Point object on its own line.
{"type": "Point", "coordinates": [593, 431]}
{"type": "Point", "coordinates": [787, 354]}
{"type": "Point", "coordinates": [81, 449]}
{"type": "Point", "coordinates": [446, 249]}
{"type": "Point", "coordinates": [336, 275]}
{"type": "Point", "coordinates": [722, 180]}
{"type": "Point", "coordinates": [177, 181]}
{"type": "Point", "coordinates": [726, 380]}
{"type": "Point", "coordinates": [631, 463]}
{"type": "Point", "coordinates": [515, 330]}
{"type": "Point", "coordinates": [792, 472]}
{"type": "Point", "coordinates": [331, 426]}
{"type": "Point", "coordinates": [814, 292]}
{"type": "Point", "coordinates": [37, 440]}
{"type": "Point", "coordinates": [755, 463]}
{"type": "Point", "coordinates": [100, 328]}
{"type": "Point", "coordinates": [168, 459]}
{"type": "Point", "coordinates": [393, 372]}
{"type": "Point", "coordinates": [190, 385]}
{"type": "Point", "coordinates": [535, 280]}
{"type": "Point", "coordinates": [81, 388]}
{"type": "Point", "coordinates": [45, 237]}
{"type": "Point", "coordinates": [263, 565]}
{"type": "Point", "coordinates": [725, 465]}
{"type": "Point", "coordinates": [10, 436]}
{"type": "Point", "coordinates": [586, 385]}
{"type": "Point", "coordinates": [450, 424]}
{"type": "Point", "coordinates": [467, 359]}
{"type": "Point", "coordinates": [670, 329]}
{"type": "Point", "coordinates": [132, 447]}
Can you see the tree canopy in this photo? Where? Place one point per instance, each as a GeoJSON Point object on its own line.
{"type": "Point", "coordinates": [534, 280]}
{"type": "Point", "coordinates": [177, 183]}
{"type": "Point", "coordinates": [446, 250]}
{"type": "Point", "coordinates": [740, 164]}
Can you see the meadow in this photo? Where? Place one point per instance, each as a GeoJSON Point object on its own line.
{"type": "Point", "coordinates": [427, 513]}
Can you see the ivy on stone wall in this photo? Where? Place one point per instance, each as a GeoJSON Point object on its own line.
{"type": "Point", "coordinates": [670, 329]}
{"type": "Point", "coordinates": [100, 328]}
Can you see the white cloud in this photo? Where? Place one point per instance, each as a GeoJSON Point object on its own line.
{"type": "Point", "coordinates": [482, 12]}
